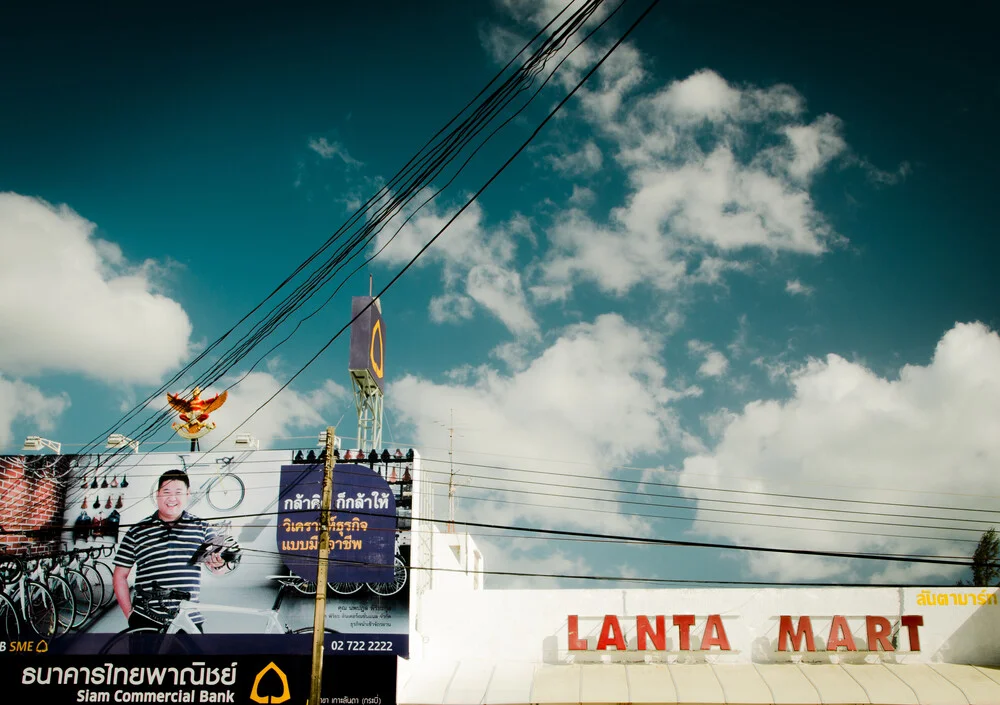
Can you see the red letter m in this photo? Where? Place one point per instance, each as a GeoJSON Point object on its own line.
{"type": "Point", "coordinates": [804, 629]}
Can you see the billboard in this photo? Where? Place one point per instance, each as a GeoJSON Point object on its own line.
{"type": "Point", "coordinates": [363, 532]}
{"type": "Point", "coordinates": [367, 339]}
{"type": "Point", "coordinates": [205, 554]}
{"type": "Point", "coordinates": [200, 679]}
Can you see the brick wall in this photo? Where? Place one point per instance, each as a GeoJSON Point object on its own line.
{"type": "Point", "coordinates": [32, 500]}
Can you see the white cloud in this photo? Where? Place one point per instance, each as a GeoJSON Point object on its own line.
{"type": "Point", "coordinates": [329, 150]}
{"type": "Point", "coordinates": [499, 290]}
{"type": "Point", "coordinates": [717, 421]}
{"type": "Point", "coordinates": [705, 189]}
{"type": "Point", "coordinates": [723, 204]}
{"type": "Point", "coordinates": [926, 438]}
{"type": "Point", "coordinates": [577, 162]}
{"type": "Point", "coordinates": [582, 196]}
{"type": "Point", "coordinates": [795, 287]}
{"type": "Point", "coordinates": [613, 258]}
{"type": "Point", "coordinates": [717, 174]}
{"type": "Point", "coordinates": [813, 146]}
{"type": "Point", "coordinates": [22, 401]}
{"type": "Point", "coordinates": [290, 412]}
{"type": "Point", "coordinates": [451, 308]}
{"type": "Point", "coordinates": [515, 354]}
{"type": "Point", "coordinates": [704, 95]}
{"type": "Point", "coordinates": [596, 397]}
{"type": "Point", "coordinates": [673, 321]}
{"type": "Point", "coordinates": [471, 254]}
{"type": "Point", "coordinates": [71, 302]}
{"type": "Point", "coordinates": [529, 557]}
{"type": "Point", "coordinates": [620, 75]}
{"type": "Point", "coordinates": [740, 345]}
{"type": "Point", "coordinates": [714, 363]}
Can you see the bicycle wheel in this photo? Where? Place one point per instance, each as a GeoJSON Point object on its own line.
{"type": "Point", "coordinates": [62, 595]}
{"type": "Point", "coordinates": [10, 624]}
{"type": "Point", "coordinates": [226, 493]}
{"type": "Point", "coordinates": [83, 594]}
{"type": "Point", "coordinates": [345, 588]}
{"type": "Point", "coordinates": [398, 580]}
{"type": "Point", "coordinates": [306, 587]}
{"type": "Point", "coordinates": [107, 581]}
{"type": "Point", "coordinates": [97, 588]}
{"type": "Point", "coordinates": [10, 569]}
{"type": "Point", "coordinates": [40, 609]}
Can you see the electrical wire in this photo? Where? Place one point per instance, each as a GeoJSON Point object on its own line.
{"type": "Point", "coordinates": [519, 489]}
{"type": "Point", "coordinates": [390, 206]}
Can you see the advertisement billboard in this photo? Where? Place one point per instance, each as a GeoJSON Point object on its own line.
{"type": "Point", "coordinates": [367, 352]}
{"type": "Point", "coordinates": [210, 547]}
{"type": "Point", "coordinates": [183, 679]}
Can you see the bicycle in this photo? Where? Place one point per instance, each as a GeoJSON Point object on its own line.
{"type": "Point", "coordinates": [83, 591]}
{"type": "Point", "coordinates": [37, 607]}
{"type": "Point", "coordinates": [399, 574]}
{"type": "Point", "coordinates": [61, 591]}
{"type": "Point", "coordinates": [223, 489]}
{"type": "Point", "coordinates": [98, 573]}
{"type": "Point", "coordinates": [10, 623]}
{"type": "Point", "coordinates": [172, 610]}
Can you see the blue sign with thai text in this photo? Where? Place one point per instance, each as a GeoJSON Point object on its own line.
{"type": "Point", "coordinates": [362, 524]}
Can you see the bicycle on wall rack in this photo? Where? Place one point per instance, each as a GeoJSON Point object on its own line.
{"type": "Point", "coordinates": [33, 603]}
{"type": "Point", "coordinates": [223, 488]}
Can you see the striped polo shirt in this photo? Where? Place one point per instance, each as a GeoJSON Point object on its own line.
{"type": "Point", "coordinates": [162, 553]}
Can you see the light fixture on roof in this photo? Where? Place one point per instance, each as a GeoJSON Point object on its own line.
{"type": "Point", "coordinates": [117, 440]}
{"type": "Point", "coordinates": [247, 439]}
{"type": "Point", "coordinates": [322, 440]}
{"type": "Point", "coordinates": [39, 443]}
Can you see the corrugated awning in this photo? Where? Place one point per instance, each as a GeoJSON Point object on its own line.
{"type": "Point", "coordinates": [678, 684]}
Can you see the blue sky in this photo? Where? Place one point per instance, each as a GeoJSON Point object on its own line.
{"type": "Point", "coordinates": [754, 252]}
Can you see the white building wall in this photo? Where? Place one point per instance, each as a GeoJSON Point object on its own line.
{"type": "Point", "coordinates": [531, 625]}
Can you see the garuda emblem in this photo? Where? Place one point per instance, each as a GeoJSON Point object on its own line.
{"type": "Point", "coordinates": [194, 413]}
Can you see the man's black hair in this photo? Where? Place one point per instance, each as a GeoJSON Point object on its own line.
{"type": "Point", "coordinates": [173, 475]}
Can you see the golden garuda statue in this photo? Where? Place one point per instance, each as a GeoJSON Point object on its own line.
{"type": "Point", "coordinates": [194, 413]}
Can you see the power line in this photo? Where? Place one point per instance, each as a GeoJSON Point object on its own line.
{"type": "Point", "coordinates": [389, 204]}
{"type": "Point", "coordinates": [563, 495]}
{"type": "Point", "coordinates": [892, 557]}
{"type": "Point", "coordinates": [470, 201]}
{"type": "Point", "coordinates": [625, 579]}
{"type": "Point", "coordinates": [762, 493]}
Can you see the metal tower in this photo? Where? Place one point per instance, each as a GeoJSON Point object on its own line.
{"type": "Point", "coordinates": [367, 368]}
{"type": "Point", "coordinates": [368, 399]}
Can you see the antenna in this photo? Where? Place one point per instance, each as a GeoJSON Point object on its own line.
{"type": "Point", "coordinates": [451, 470]}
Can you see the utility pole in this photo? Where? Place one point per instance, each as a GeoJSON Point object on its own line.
{"type": "Point", "coordinates": [322, 570]}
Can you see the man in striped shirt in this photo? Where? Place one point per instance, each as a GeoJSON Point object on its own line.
{"type": "Point", "coordinates": [166, 548]}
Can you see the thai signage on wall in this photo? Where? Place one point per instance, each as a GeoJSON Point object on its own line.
{"type": "Point", "coordinates": [214, 547]}
{"type": "Point", "coordinates": [362, 523]}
